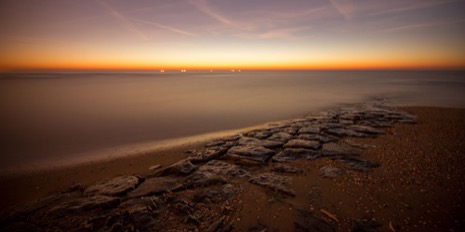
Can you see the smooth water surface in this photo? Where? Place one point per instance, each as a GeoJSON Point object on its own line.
{"type": "Point", "coordinates": [49, 117]}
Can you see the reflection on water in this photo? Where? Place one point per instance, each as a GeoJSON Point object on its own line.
{"type": "Point", "coordinates": [52, 116]}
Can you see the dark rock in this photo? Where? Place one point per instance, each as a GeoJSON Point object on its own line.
{"type": "Point", "coordinates": [208, 154]}
{"type": "Point", "coordinates": [259, 134]}
{"type": "Point", "coordinates": [153, 186]}
{"type": "Point", "coordinates": [401, 117]}
{"type": "Point", "coordinates": [341, 132]}
{"type": "Point", "coordinates": [275, 182]}
{"type": "Point", "coordinates": [314, 129]}
{"type": "Point", "coordinates": [376, 124]}
{"type": "Point", "coordinates": [346, 122]}
{"type": "Point", "coordinates": [366, 129]}
{"type": "Point", "coordinates": [254, 153]}
{"type": "Point", "coordinates": [290, 130]}
{"type": "Point", "coordinates": [151, 203]}
{"type": "Point", "coordinates": [215, 143]}
{"type": "Point", "coordinates": [280, 137]}
{"type": "Point", "coordinates": [332, 125]}
{"type": "Point", "coordinates": [214, 172]}
{"type": "Point", "coordinates": [300, 143]}
{"type": "Point", "coordinates": [24, 210]}
{"type": "Point", "coordinates": [74, 188]}
{"type": "Point", "coordinates": [247, 141]}
{"type": "Point", "coordinates": [286, 169]}
{"type": "Point", "coordinates": [295, 153]}
{"type": "Point", "coordinates": [183, 167]}
{"type": "Point", "coordinates": [334, 149]}
{"type": "Point", "coordinates": [85, 204]}
{"type": "Point", "coordinates": [330, 172]}
{"type": "Point", "coordinates": [232, 138]}
{"type": "Point", "coordinates": [357, 145]}
{"type": "Point", "coordinates": [320, 138]}
{"type": "Point", "coordinates": [117, 186]}
{"type": "Point", "coordinates": [359, 164]}
{"type": "Point", "coordinates": [215, 195]}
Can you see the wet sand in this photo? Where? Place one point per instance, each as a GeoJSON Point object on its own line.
{"type": "Point", "coordinates": [418, 187]}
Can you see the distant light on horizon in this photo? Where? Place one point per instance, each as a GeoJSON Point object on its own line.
{"type": "Point", "coordinates": [321, 34]}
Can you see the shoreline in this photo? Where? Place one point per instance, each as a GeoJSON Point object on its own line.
{"type": "Point", "coordinates": [387, 202]}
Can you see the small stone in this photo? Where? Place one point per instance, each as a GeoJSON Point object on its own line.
{"type": "Point", "coordinates": [330, 172]}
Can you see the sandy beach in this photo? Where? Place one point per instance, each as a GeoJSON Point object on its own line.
{"type": "Point", "coordinates": [418, 186]}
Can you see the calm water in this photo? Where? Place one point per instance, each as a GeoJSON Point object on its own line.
{"type": "Point", "coordinates": [59, 116]}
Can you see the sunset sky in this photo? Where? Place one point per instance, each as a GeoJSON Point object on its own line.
{"type": "Point", "coordinates": [209, 34]}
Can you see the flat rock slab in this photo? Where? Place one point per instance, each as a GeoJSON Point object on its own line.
{"type": "Point", "coordinates": [334, 149]}
{"type": "Point", "coordinates": [153, 186]}
{"type": "Point", "coordinates": [286, 169]}
{"type": "Point", "coordinates": [214, 172]}
{"type": "Point", "coordinates": [330, 172]}
{"type": "Point", "coordinates": [183, 167]}
{"type": "Point", "coordinates": [85, 204]}
{"type": "Point", "coordinates": [215, 194]}
{"type": "Point", "coordinates": [208, 154]}
{"type": "Point", "coordinates": [366, 129]}
{"type": "Point", "coordinates": [315, 137]}
{"type": "Point", "coordinates": [300, 143]}
{"type": "Point", "coordinates": [360, 164]}
{"type": "Point", "coordinates": [117, 186]}
{"type": "Point", "coordinates": [289, 154]}
{"type": "Point", "coordinates": [259, 134]}
{"type": "Point", "coordinates": [248, 141]}
{"type": "Point", "coordinates": [274, 182]}
{"type": "Point", "coordinates": [341, 132]}
{"type": "Point", "coordinates": [281, 137]}
{"type": "Point", "coordinates": [141, 204]}
{"type": "Point", "coordinates": [314, 129]}
{"type": "Point", "coordinates": [254, 153]}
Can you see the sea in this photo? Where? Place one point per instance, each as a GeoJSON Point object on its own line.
{"type": "Point", "coordinates": [61, 118]}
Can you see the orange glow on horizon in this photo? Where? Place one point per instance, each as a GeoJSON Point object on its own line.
{"type": "Point", "coordinates": [341, 65]}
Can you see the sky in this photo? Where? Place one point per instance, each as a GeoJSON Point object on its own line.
{"type": "Point", "coordinates": [240, 34]}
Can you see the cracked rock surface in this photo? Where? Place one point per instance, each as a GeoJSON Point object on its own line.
{"type": "Point", "coordinates": [195, 193]}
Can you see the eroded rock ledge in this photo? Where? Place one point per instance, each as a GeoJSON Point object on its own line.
{"type": "Point", "coordinates": [193, 194]}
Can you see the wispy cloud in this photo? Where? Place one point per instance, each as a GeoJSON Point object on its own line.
{"type": "Point", "coordinates": [293, 33]}
{"type": "Point", "coordinates": [419, 26]}
{"type": "Point", "coordinates": [172, 29]}
{"type": "Point", "coordinates": [123, 21]}
{"type": "Point", "coordinates": [205, 8]}
{"type": "Point", "coordinates": [410, 5]}
{"type": "Point", "coordinates": [344, 7]}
